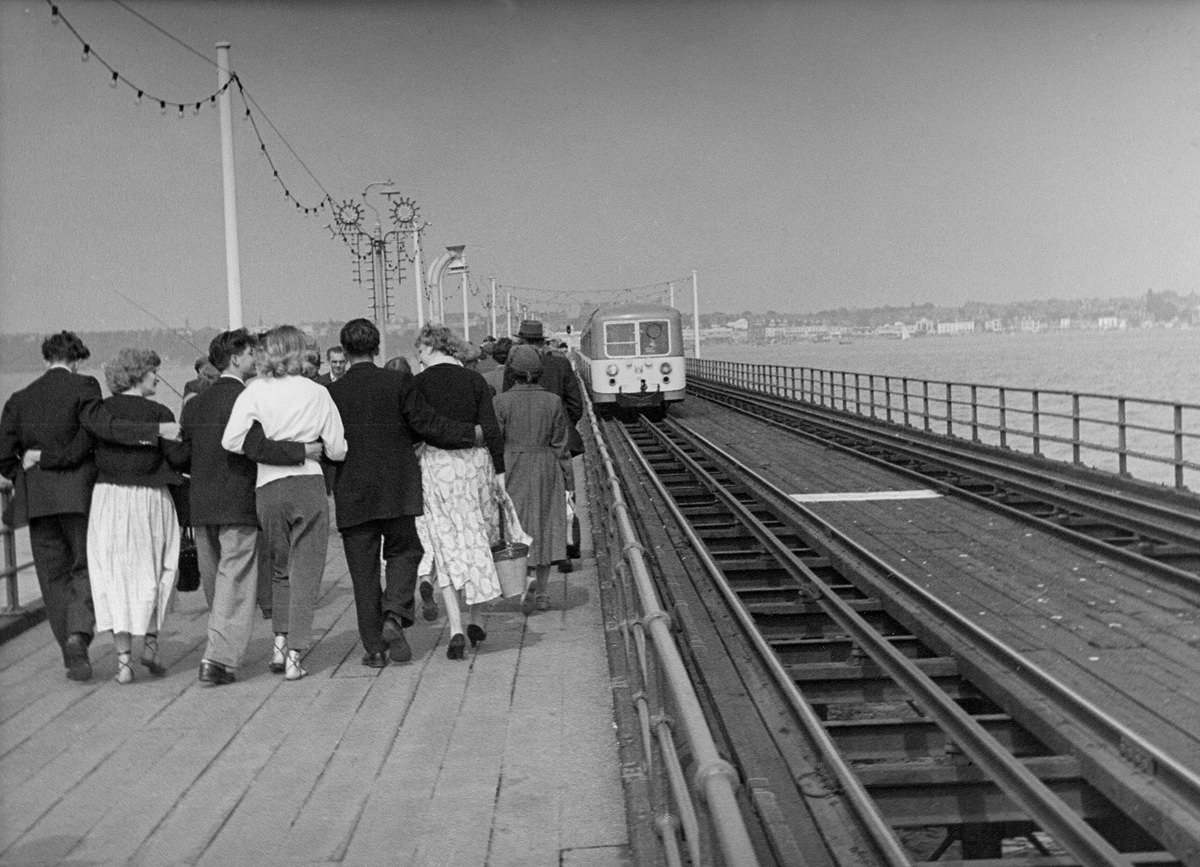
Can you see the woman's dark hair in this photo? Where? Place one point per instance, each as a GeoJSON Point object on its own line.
{"type": "Point", "coordinates": [360, 338]}
{"type": "Point", "coordinates": [501, 349]}
{"type": "Point", "coordinates": [400, 363]}
{"type": "Point", "coordinates": [530, 376]}
{"type": "Point", "coordinates": [65, 347]}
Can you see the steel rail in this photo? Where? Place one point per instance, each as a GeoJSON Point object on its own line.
{"type": "Point", "coordinates": [714, 776]}
{"type": "Point", "coordinates": [1180, 781]}
{"type": "Point", "coordinates": [873, 822]}
{"type": "Point", "coordinates": [1178, 578]}
{"type": "Point", "coordinates": [1016, 780]}
{"type": "Point", "coordinates": [928, 446]}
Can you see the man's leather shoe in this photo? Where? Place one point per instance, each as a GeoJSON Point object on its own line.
{"type": "Point", "coordinates": [399, 650]}
{"type": "Point", "coordinates": [75, 655]}
{"type": "Point", "coordinates": [375, 660]}
{"type": "Point", "coordinates": [393, 629]}
{"type": "Point", "coordinates": [215, 673]}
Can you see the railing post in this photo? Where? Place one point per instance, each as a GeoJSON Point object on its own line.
{"type": "Point", "coordinates": [1178, 446]}
{"type": "Point", "coordinates": [887, 396]}
{"type": "Point", "coordinates": [10, 555]}
{"type": "Point", "coordinates": [949, 410]}
{"type": "Point", "coordinates": [1075, 430]}
{"type": "Point", "coordinates": [871, 392]}
{"type": "Point", "coordinates": [974, 413]}
{"type": "Point", "coordinates": [1035, 409]}
{"type": "Point", "coordinates": [925, 392]}
{"type": "Point", "coordinates": [1003, 419]}
{"type": "Point", "coordinates": [857, 394]}
{"type": "Point", "coordinates": [904, 385]}
{"type": "Point", "coordinates": [1122, 439]}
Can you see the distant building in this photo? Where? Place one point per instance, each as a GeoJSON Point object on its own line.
{"type": "Point", "coordinates": [1111, 323]}
{"type": "Point", "coordinates": [993, 325]}
{"type": "Point", "coordinates": [954, 328]}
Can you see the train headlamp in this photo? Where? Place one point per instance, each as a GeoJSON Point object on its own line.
{"type": "Point", "coordinates": [664, 368]}
{"type": "Point", "coordinates": [611, 370]}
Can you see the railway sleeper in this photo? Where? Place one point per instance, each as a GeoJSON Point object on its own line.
{"type": "Point", "coordinates": [831, 683]}
{"type": "Point", "coordinates": [840, 649]}
{"type": "Point", "coordinates": [812, 622]}
{"type": "Point", "coordinates": [892, 739]}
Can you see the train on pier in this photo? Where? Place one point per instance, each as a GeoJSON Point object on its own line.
{"type": "Point", "coordinates": [631, 358]}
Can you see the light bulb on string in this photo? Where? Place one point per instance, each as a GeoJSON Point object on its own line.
{"type": "Point", "coordinates": [162, 107]}
{"type": "Point", "coordinates": [113, 81]}
{"type": "Point", "coordinates": [137, 100]}
{"type": "Point", "coordinates": [196, 110]}
{"type": "Point", "coordinates": [54, 17]}
{"type": "Point", "coordinates": [87, 52]}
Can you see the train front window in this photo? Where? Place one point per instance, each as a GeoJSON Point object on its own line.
{"type": "Point", "coordinates": [620, 339]}
{"type": "Point", "coordinates": [655, 337]}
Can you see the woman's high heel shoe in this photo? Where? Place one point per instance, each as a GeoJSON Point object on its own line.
{"type": "Point", "coordinates": [475, 634]}
{"type": "Point", "coordinates": [150, 655]}
{"type": "Point", "coordinates": [124, 669]}
{"type": "Point", "coordinates": [293, 671]}
{"type": "Point", "coordinates": [455, 648]}
{"type": "Point", "coordinates": [279, 655]}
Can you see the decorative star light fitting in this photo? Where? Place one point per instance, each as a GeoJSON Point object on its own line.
{"type": "Point", "coordinates": [348, 225]}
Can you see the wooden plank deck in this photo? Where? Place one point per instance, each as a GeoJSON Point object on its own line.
{"type": "Point", "coordinates": [507, 758]}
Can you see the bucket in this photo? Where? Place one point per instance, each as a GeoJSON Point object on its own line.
{"type": "Point", "coordinates": [512, 561]}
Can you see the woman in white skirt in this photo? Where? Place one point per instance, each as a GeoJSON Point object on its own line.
{"type": "Point", "coordinates": [461, 520]}
{"type": "Point", "coordinates": [133, 530]}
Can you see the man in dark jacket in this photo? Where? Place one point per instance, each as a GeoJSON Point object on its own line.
{"type": "Point", "coordinates": [221, 503]}
{"type": "Point", "coordinates": [46, 448]}
{"type": "Point", "coordinates": [377, 492]}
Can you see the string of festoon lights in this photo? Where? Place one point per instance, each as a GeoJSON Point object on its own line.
{"type": "Point", "coordinates": [578, 300]}
{"type": "Point", "coordinates": [145, 96]}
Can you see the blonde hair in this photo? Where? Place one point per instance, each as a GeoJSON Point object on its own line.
{"type": "Point", "coordinates": [439, 338]}
{"type": "Point", "coordinates": [128, 368]}
{"type": "Point", "coordinates": [282, 351]}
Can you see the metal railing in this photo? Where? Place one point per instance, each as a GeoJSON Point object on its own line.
{"type": "Point", "coordinates": [666, 704]}
{"type": "Point", "coordinates": [1151, 440]}
{"type": "Point", "coordinates": [11, 567]}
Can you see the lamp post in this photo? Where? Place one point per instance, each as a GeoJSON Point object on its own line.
{"type": "Point", "coordinates": [348, 218]}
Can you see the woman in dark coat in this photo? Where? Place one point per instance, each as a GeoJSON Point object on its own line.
{"type": "Point", "coordinates": [538, 465]}
{"type": "Point", "coordinates": [133, 529]}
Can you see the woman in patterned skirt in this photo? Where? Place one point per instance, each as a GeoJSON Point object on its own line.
{"type": "Point", "coordinates": [133, 530]}
{"type": "Point", "coordinates": [461, 520]}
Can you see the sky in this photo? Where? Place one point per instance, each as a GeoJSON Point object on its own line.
{"type": "Point", "coordinates": [797, 156]}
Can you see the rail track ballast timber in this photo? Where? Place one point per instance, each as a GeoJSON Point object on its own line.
{"type": "Point", "coordinates": [1150, 526]}
{"type": "Point", "coordinates": [884, 728]}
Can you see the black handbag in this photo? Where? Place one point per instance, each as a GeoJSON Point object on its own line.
{"type": "Point", "coordinates": [188, 578]}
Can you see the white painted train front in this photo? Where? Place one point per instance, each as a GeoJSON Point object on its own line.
{"type": "Point", "coordinates": [632, 357]}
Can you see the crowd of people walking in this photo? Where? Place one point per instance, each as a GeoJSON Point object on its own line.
{"type": "Point", "coordinates": [429, 474]}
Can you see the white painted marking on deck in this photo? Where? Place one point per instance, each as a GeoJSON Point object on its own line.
{"type": "Point", "coordinates": [864, 496]}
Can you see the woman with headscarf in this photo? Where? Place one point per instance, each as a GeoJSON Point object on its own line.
{"type": "Point", "coordinates": [133, 529]}
{"type": "Point", "coordinates": [461, 521]}
{"type": "Point", "coordinates": [538, 465]}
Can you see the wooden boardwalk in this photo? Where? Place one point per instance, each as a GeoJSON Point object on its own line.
{"type": "Point", "coordinates": [507, 758]}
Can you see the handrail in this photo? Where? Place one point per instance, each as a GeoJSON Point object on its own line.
{"type": "Point", "coordinates": [11, 568]}
{"type": "Point", "coordinates": [1146, 438]}
{"type": "Point", "coordinates": [714, 777]}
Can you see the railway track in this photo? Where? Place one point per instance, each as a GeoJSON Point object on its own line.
{"type": "Point", "coordinates": [1155, 529]}
{"type": "Point", "coordinates": [885, 728]}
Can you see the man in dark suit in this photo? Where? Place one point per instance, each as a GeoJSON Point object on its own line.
{"type": "Point", "coordinates": [377, 492]}
{"type": "Point", "coordinates": [222, 504]}
{"type": "Point", "coordinates": [46, 448]}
